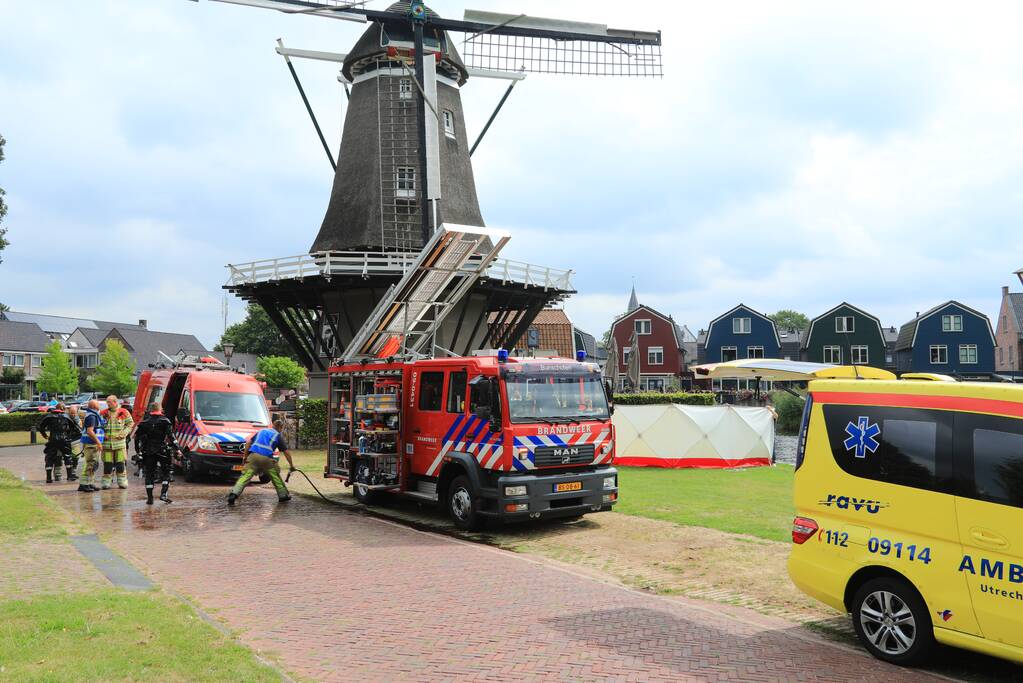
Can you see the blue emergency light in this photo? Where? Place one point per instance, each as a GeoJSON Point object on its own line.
{"type": "Point", "coordinates": [580, 355]}
{"type": "Point", "coordinates": [502, 355]}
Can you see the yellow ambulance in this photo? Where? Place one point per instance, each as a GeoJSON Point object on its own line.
{"type": "Point", "coordinates": [909, 503]}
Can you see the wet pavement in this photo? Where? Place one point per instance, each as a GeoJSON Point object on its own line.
{"type": "Point", "coordinates": [334, 595]}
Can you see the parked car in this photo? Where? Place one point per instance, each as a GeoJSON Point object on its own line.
{"type": "Point", "coordinates": [12, 404]}
{"type": "Point", "coordinates": [3, 411]}
{"type": "Point", "coordinates": [32, 407]}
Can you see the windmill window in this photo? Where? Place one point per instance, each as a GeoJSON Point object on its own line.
{"type": "Point", "coordinates": [951, 323]}
{"type": "Point", "coordinates": [729, 353]}
{"type": "Point", "coordinates": [845, 323]}
{"type": "Point", "coordinates": [655, 355]}
{"type": "Point", "coordinates": [939, 354]}
{"type": "Point", "coordinates": [405, 182]}
{"type": "Point", "coordinates": [742, 325]}
{"type": "Point", "coordinates": [968, 354]}
{"type": "Point", "coordinates": [860, 355]}
{"type": "Point", "coordinates": [405, 88]}
{"type": "Point", "coordinates": [833, 354]}
{"type": "Point", "coordinates": [449, 124]}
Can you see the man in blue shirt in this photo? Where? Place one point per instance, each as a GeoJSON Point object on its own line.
{"type": "Point", "coordinates": [92, 441]}
{"type": "Point", "coordinates": [262, 455]}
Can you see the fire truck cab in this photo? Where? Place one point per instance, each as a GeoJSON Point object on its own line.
{"type": "Point", "coordinates": [215, 409]}
{"type": "Point", "coordinates": [486, 436]}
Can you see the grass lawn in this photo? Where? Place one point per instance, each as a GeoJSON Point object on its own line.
{"type": "Point", "coordinates": [755, 501]}
{"type": "Point", "coordinates": [114, 636]}
{"type": "Point", "coordinates": [17, 439]}
{"type": "Point", "coordinates": [117, 636]}
{"type": "Point", "coordinates": [25, 512]}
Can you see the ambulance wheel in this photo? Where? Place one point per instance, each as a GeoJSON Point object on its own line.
{"type": "Point", "coordinates": [892, 621]}
{"type": "Point", "coordinates": [463, 506]}
{"type": "Point", "coordinates": [189, 468]}
{"type": "Point", "coordinates": [363, 494]}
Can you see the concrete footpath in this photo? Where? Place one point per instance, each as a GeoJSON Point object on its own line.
{"type": "Point", "coordinates": [334, 595]}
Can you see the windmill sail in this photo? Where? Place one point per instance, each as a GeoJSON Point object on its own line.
{"type": "Point", "coordinates": [508, 42]}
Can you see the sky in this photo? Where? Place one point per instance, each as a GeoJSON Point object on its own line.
{"type": "Point", "coordinates": [795, 155]}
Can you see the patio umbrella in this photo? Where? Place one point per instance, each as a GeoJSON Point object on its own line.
{"type": "Point", "coordinates": [777, 370]}
{"type": "Point", "coordinates": [633, 369]}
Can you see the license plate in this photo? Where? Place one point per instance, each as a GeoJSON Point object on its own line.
{"type": "Point", "coordinates": [238, 468]}
{"type": "Point", "coordinates": [568, 486]}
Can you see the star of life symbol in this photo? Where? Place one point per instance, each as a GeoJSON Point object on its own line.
{"type": "Point", "coordinates": [862, 437]}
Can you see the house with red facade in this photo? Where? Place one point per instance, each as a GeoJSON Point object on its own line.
{"type": "Point", "coordinates": [1009, 333]}
{"type": "Point", "coordinates": [658, 341]}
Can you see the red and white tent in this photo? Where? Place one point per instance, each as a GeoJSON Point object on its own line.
{"type": "Point", "coordinates": [693, 436]}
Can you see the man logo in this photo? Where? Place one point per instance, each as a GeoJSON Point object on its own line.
{"type": "Point", "coordinates": [565, 453]}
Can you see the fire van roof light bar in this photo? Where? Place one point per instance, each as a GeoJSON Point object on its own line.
{"type": "Point", "coordinates": [415, 307]}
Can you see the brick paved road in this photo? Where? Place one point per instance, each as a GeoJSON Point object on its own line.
{"type": "Point", "coordinates": [337, 596]}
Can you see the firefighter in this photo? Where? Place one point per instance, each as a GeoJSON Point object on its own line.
{"type": "Point", "coordinates": [92, 442]}
{"type": "Point", "coordinates": [59, 431]}
{"type": "Point", "coordinates": [261, 458]}
{"type": "Point", "coordinates": [116, 432]}
{"type": "Point", "coordinates": [154, 439]}
{"type": "Point", "coordinates": [71, 461]}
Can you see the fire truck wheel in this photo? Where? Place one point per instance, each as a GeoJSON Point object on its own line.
{"type": "Point", "coordinates": [190, 470]}
{"type": "Point", "coordinates": [462, 505]}
{"type": "Point", "coordinates": [363, 494]}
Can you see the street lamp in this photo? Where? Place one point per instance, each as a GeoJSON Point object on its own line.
{"type": "Point", "coordinates": [228, 352]}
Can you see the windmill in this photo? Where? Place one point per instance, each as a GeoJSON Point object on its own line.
{"type": "Point", "coordinates": [404, 169]}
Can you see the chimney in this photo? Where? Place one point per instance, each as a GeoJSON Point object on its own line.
{"type": "Point", "coordinates": [1005, 290]}
{"type": "Point", "coordinates": [143, 323]}
{"type": "Point", "coordinates": [918, 314]}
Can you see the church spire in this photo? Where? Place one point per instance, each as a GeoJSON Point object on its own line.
{"type": "Point", "coordinates": [633, 299]}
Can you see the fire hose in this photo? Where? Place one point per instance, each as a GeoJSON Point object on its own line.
{"type": "Point", "coordinates": [295, 469]}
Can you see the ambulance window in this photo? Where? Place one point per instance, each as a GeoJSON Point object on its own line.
{"type": "Point", "coordinates": [909, 452]}
{"type": "Point", "coordinates": [456, 391]}
{"type": "Point", "coordinates": [998, 466]}
{"type": "Point", "coordinates": [903, 446]}
{"type": "Point", "coordinates": [431, 390]}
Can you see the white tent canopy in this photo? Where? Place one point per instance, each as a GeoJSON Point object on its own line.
{"type": "Point", "coordinates": [693, 436]}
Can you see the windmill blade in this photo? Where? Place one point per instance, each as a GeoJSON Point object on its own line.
{"type": "Point", "coordinates": [509, 42]}
{"type": "Point", "coordinates": [332, 9]}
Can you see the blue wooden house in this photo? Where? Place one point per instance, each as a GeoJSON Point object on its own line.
{"type": "Point", "coordinates": [741, 333]}
{"type": "Point", "coordinates": [948, 339]}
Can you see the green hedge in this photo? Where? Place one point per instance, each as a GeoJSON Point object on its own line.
{"type": "Point", "coordinates": [655, 398]}
{"type": "Point", "coordinates": [19, 422]}
{"type": "Point", "coordinates": [312, 413]}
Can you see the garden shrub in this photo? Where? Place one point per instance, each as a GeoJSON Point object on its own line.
{"type": "Point", "coordinates": [790, 411]}
{"type": "Point", "coordinates": [657, 398]}
{"type": "Point", "coordinates": [312, 415]}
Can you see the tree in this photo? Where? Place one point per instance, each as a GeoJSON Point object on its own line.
{"type": "Point", "coordinates": [57, 376]}
{"type": "Point", "coordinates": [257, 335]}
{"type": "Point", "coordinates": [12, 375]}
{"type": "Point", "coordinates": [115, 373]}
{"type": "Point", "coordinates": [790, 320]}
{"type": "Point", "coordinates": [281, 372]}
{"type": "Point", "coordinates": [3, 212]}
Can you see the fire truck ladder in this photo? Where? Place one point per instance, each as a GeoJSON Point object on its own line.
{"type": "Point", "coordinates": [414, 308]}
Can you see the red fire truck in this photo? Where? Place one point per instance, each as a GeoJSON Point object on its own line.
{"type": "Point", "coordinates": [487, 436]}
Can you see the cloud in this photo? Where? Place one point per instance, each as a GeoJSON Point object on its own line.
{"type": "Point", "coordinates": [793, 156]}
